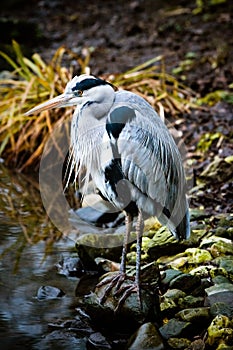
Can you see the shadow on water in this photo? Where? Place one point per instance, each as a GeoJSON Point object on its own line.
{"type": "Point", "coordinates": [27, 261]}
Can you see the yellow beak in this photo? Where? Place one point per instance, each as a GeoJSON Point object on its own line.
{"type": "Point", "coordinates": [58, 101]}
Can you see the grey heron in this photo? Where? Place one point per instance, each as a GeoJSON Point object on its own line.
{"type": "Point", "coordinates": [130, 155]}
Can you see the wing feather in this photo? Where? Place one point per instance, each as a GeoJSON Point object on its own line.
{"type": "Point", "coordinates": [152, 164]}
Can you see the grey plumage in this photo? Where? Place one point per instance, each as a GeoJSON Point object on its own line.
{"type": "Point", "coordinates": [128, 152]}
{"type": "Point", "coordinates": [127, 128]}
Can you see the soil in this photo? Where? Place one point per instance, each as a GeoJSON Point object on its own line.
{"type": "Point", "coordinates": [197, 47]}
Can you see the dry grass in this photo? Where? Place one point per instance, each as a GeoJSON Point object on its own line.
{"type": "Point", "coordinates": [22, 138]}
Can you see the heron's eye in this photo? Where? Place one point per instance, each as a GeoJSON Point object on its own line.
{"type": "Point", "coordinates": [78, 93]}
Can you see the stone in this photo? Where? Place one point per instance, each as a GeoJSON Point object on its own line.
{"type": "Point", "coordinates": [220, 331]}
{"type": "Point", "coordinates": [179, 343]}
{"type": "Point", "coordinates": [194, 315]}
{"type": "Point", "coordinates": [185, 282]}
{"type": "Point", "coordinates": [209, 241]}
{"type": "Point", "coordinates": [220, 279]}
{"type": "Point", "coordinates": [226, 262]}
{"type": "Point", "coordinates": [222, 247]}
{"type": "Point", "coordinates": [70, 267]}
{"type": "Point", "coordinates": [190, 301]}
{"type": "Point", "coordinates": [129, 312]}
{"type": "Point", "coordinates": [202, 271]}
{"type": "Point", "coordinates": [100, 213]}
{"type": "Point", "coordinates": [93, 245]}
{"type": "Point", "coordinates": [98, 341]}
{"type": "Point", "coordinates": [169, 274]}
{"type": "Point", "coordinates": [220, 293]}
{"type": "Point", "coordinates": [147, 337]}
{"type": "Point", "coordinates": [221, 308]}
{"type": "Point", "coordinates": [49, 292]}
{"type": "Point", "coordinates": [174, 262]}
{"type": "Point", "coordinates": [197, 344]}
{"type": "Point", "coordinates": [198, 256]}
{"type": "Point", "coordinates": [169, 301]}
{"type": "Point", "coordinates": [163, 243]}
{"type": "Point", "coordinates": [174, 328]}
{"type": "Point", "coordinates": [218, 271]}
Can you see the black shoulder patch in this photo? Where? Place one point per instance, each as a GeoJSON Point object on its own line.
{"type": "Point", "coordinates": [117, 120]}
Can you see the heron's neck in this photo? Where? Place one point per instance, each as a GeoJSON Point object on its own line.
{"type": "Point", "coordinates": [100, 106]}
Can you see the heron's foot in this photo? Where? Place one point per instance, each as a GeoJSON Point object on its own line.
{"type": "Point", "coordinates": [115, 285]}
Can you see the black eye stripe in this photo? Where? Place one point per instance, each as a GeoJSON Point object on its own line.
{"type": "Point", "coordinates": [89, 83]}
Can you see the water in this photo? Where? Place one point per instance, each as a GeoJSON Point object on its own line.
{"type": "Point", "coordinates": [25, 267]}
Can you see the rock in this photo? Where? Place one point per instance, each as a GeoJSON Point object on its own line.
{"type": "Point", "coordinates": [174, 328]}
{"type": "Point", "coordinates": [185, 282]}
{"type": "Point", "coordinates": [191, 256]}
{"type": "Point", "coordinates": [220, 279]}
{"type": "Point", "coordinates": [220, 293]}
{"type": "Point", "coordinates": [163, 243]}
{"type": "Point", "coordinates": [78, 325]}
{"type": "Point", "coordinates": [70, 267]}
{"type": "Point", "coordinates": [197, 344]}
{"type": "Point", "coordinates": [226, 262]}
{"type": "Point", "coordinates": [222, 247]}
{"type": "Point", "coordinates": [108, 246]}
{"type": "Point", "coordinates": [202, 271]}
{"type": "Point", "coordinates": [130, 312]}
{"type": "Point", "coordinates": [169, 301]}
{"type": "Point", "coordinates": [107, 265]}
{"type": "Point", "coordinates": [49, 292]}
{"type": "Point", "coordinates": [196, 213]}
{"type": "Point", "coordinates": [217, 271]}
{"type": "Point", "coordinates": [131, 256]}
{"type": "Point", "coordinates": [220, 331]}
{"type": "Point", "coordinates": [209, 241]}
{"type": "Point", "coordinates": [65, 339]}
{"type": "Point", "coordinates": [194, 315]}
{"type": "Point", "coordinates": [178, 261]}
{"type": "Point", "coordinates": [98, 341]}
{"type": "Point", "coordinates": [146, 338]}
{"type": "Point", "coordinates": [100, 213]}
{"type": "Point", "coordinates": [197, 256]}
{"type": "Point", "coordinates": [169, 274]}
{"type": "Point", "coordinates": [190, 301]}
{"type": "Point", "coordinates": [221, 308]}
{"type": "Point", "coordinates": [179, 343]}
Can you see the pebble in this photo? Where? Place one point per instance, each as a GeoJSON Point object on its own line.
{"type": "Point", "coordinates": [169, 275]}
{"type": "Point", "coordinates": [185, 282]}
{"type": "Point", "coordinates": [220, 331]}
{"type": "Point", "coordinates": [179, 343]}
{"type": "Point", "coordinates": [194, 315]}
{"type": "Point", "coordinates": [220, 293]}
{"type": "Point", "coordinates": [170, 300]}
{"type": "Point", "coordinates": [174, 328]}
{"type": "Point", "coordinates": [147, 337]}
{"type": "Point", "coordinates": [98, 341]}
{"type": "Point", "coordinates": [49, 292]}
{"type": "Point", "coordinates": [221, 308]}
{"type": "Point", "coordinates": [130, 312]}
{"type": "Point", "coordinates": [197, 255]}
{"type": "Point", "coordinates": [70, 267]}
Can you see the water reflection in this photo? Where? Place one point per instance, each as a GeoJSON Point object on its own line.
{"type": "Point", "coordinates": [27, 261]}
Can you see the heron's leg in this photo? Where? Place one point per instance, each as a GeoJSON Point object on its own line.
{"type": "Point", "coordinates": [127, 290]}
{"type": "Point", "coordinates": [139, 232]}
{"type": "Point", "coordinates": [128, 227]}
{"type": "Point", "coordinates": [117, 280]}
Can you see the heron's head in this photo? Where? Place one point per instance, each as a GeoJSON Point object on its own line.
{"type": "Point", "coordinates": [80, 90]}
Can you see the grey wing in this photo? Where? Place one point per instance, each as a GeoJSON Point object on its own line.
{"type": "Point", "coordinates": [152, 164]}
